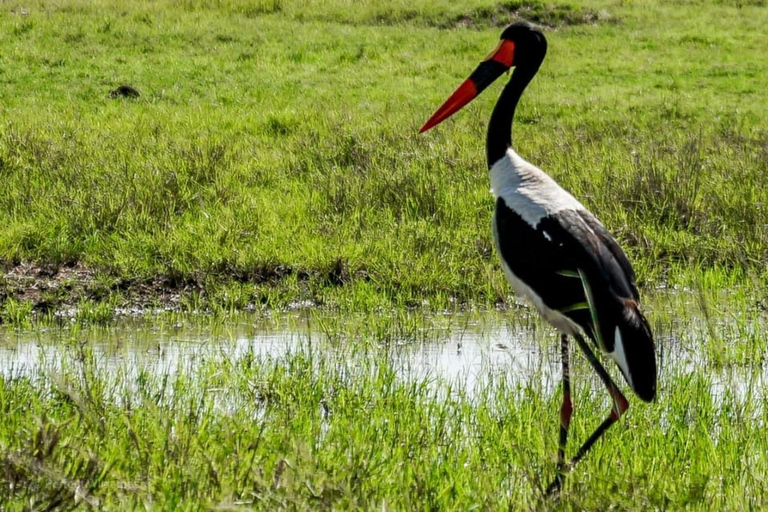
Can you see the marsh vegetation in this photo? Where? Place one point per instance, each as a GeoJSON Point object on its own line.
{"type": "Point", "coordinates": [271, 164]}
{"type": "Point", "coordinates": [394, 411]}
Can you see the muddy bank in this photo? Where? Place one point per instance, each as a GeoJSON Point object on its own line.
{"type": "Point", "coordinates": [42, 289]}
{"type": "Point", "coordinates": [51, 288]}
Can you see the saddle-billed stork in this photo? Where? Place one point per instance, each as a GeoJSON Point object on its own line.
{"type": "Point", "coordinates": [553, 251]}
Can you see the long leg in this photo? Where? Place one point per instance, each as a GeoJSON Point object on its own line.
{"type": "Point", "coordinates": [565, 410]}
{"type": "Point", "coordinates": [620, 405]}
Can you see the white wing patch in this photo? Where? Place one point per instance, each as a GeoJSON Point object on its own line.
{"type": "Point", "coordinates": [620, 356]}
{"type": "Point", "coordinates": [528, 190]}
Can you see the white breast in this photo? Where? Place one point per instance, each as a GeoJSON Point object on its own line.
{"type": "Point", "coordinates": [528, 190]}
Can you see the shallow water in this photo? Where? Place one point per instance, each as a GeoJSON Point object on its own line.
{"type": "Point", "coordinates": [463, 356]}
{"type": "Point", "coordinates": [466, 350]}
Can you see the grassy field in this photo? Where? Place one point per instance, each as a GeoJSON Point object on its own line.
{"type": "Point", "coordinates": [273, 154]}
{"type": "Point", "coordinates": [272, 160]}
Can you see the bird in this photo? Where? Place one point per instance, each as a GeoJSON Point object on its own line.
{"type": "Point", "coordinates": [554, 252]}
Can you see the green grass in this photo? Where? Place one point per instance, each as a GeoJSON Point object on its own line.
{"type": "Point", "coordinates": [334, 425]}
{"type": "Point", "coordinates": [273, 155]}
{"type": "Point", "coordinates": [272, 161]}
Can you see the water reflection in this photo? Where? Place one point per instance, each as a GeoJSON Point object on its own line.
{"type": "Point", "coordinates": [463, 353]}
{"type": "Point", "coordinates": [466, 350]}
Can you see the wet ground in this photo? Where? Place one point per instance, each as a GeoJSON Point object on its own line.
{"type": "Point", "coordinates": [465, 349]}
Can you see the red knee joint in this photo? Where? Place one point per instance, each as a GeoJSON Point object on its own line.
{"type": "Point", "coordinates": [566, 410]}
{"type": "Point", "coordinates": [620, 404]}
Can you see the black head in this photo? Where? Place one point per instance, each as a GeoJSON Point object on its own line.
{"type": "Point", "coordinates": [530, 44]}
{"type": "Point", "coordinates": [522, 46]}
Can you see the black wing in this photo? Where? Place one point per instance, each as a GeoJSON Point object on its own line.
{"type": "Point", "coordinates": [552, 257]}
{"type": "Point", "coordinates": [609, 243]}
{"type": "Point", "coordinates": [548, 259]}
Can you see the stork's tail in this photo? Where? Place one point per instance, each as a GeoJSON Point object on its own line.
{"type": "Point", "coordinates": [633, 349]}
{"type": "Point", "coordinates": [623, 332]}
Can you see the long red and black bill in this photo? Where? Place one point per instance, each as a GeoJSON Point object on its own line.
{"type": "Point", "coordinates": [497, 62]}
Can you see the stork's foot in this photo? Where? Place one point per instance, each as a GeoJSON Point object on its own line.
{"type": "Point", "coordinates": [620, 405]}
{"type": "Point", "coordinates": [553, 491]}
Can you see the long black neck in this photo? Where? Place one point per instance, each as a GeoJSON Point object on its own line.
{"type": "Point", "coordinates": [499, 136]}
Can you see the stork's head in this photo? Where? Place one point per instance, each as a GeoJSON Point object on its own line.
{"type": "Point", "coordinates": [522, 45]}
